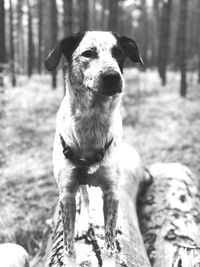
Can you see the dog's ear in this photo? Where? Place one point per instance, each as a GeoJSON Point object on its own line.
{"type": "Point", "coordinates": [66, 46]}
{"type": "Point", "coordinates": [130, 48]}
{"type": "Point", "coordinates": [53, 58]}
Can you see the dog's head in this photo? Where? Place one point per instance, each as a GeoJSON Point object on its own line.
{"type": "Point", "coordinates": [95, 60]}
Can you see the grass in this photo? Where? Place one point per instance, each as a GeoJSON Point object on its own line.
{"type": "Point", "coordinates": [161, 125]}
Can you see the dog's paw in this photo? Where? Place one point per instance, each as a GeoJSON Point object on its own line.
{"type": "Point", "coordinates": [109, 262]}
{"type": "Point", "coordinates": [69, 261]}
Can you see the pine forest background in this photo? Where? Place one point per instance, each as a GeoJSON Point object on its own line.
{"type": "Point", "coordinates": [160, 107]}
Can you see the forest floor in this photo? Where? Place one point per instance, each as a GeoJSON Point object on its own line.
{"type": "Point", "coordinates": [157, 121]}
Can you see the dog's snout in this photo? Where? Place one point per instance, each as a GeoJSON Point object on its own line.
{"type": "Point", "coordinates": [111, 83]}
{"type": "Point", "coordinates": [111, 77]}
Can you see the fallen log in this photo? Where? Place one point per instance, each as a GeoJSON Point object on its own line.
{"type": "Point", "coordinates": [90, 246]}
{"type": "Point", "coordinates": [169, 217]}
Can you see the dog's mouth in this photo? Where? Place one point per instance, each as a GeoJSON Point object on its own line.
{"type": "Point", "coordinates": [110, 90]}
{"type": "Point", "coordinates": [106, 91]}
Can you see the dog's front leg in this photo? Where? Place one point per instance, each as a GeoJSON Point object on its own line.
{"type": "Point", "coordinates": [110, 208]}
{"type": "Point", "coordinates": [68, 212]}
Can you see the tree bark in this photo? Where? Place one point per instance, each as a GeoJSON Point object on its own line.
{"type": "Point", "coordinates": [170, 218]}
{"type": "Point", "coordinates": [164, 40]}
{"type": "Point", "coordinates": [12, 51]}
{"type": "Point", "coordinates": [89, 246]}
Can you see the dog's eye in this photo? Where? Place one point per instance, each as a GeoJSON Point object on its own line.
{"type": "Point", "coordinates": [88, 53]}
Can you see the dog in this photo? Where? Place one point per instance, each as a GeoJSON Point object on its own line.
{"type": "Point", "coordinates": [88, 135]}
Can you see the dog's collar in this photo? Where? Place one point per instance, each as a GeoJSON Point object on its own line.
{"type": "Point", "coordinates": [83, 162]}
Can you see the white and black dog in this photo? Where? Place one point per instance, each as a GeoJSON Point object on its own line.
{"type": "Point", "coordinates": [89, 128]}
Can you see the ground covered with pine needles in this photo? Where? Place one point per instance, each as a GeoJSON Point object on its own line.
{"type": "Point", "coordinates": [157, 121]}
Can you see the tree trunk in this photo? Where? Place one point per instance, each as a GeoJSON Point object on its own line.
{"type": "Point", "coordinates": [54, 37]}
{"type": "Point", "coordinates": [155, 39]}
{"type": "Point", "coordinates": [68, 15]}
{"type": "Point", "coordinates": [2, 42]}
{"type": "Point", "coordinates": [198, 42]}
{"type": "Point", "coordinates": [30, 41]}
{"type": "Point", "coordinates": [67, 23]}
{"type": "Point", "coordinates": [47, 27]}
{"type": "Point", "coordinates": [92, 15]}
{"type": "Point", "coordinates": [164, 40]}
{"type": "Point", "coordinates": [12, 51]}
{"type": "Point", "coordinates": [144, 22]}
{"type": "Point", "coordinates": [170, 218]}
{"type": "Point", "coordinates": [84, 17]}
{"type": "Point", "coordinates": [20, 38]}
{"type": "Point", "coordinates": [40, 34]}
{"type": "Point", "coordinates": [183, 45]}
{"type": "Point", "coordinates": [104, 15]}
{"type": "Point", "coordinates": [89, 246]}
{"type": "Point", "coordinates": [113, 16]}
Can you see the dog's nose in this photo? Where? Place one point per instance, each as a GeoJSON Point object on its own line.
{"type": "Point", "coordinates": [111, 77]}
{"type": "Point", "coordinates": [111, 83]}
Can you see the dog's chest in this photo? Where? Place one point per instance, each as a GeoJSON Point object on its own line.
{"type": "Point", "coordinates": [92, 129]}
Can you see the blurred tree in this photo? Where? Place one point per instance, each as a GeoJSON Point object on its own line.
{"type": "Point", "coordinates": [12, 51]}
{"type": "Point", "coordinates": [83, 15]}
{"type": "Point", "coordinates": [20, 37]}
{"type": "Point", "coordinates": [113, 16]}
{"type": "Point", "coordinates": [54, 36]}
{"type": "Point", "coordinates": [144, 30]}
{"type": "Point", "coordinates": [155, 30]}
{"type": "Point", "coordinates": [182, 35]}
{"type": "Point", "coordinates": [30, 41]}
{"type": "Point", "coordinates": [40, 34]}
{"type": "Point", "coordinates": [2, 40]}
{"type": "Point", "coordinates": [68, 14]}
{"type": "Point", "coordinates": [47, 27]}
{"type": "Point", "coordinates": [199, 42]}
{"type": "Point", "coordinates": [92, 15]}
{"type": "Point", "coordinates": [164, 39]}
{"type": "Point", "coordinates": [104, 14]}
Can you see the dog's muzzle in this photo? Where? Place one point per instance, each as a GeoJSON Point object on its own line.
{"type": "Point", "coordinates": [111, 83]}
